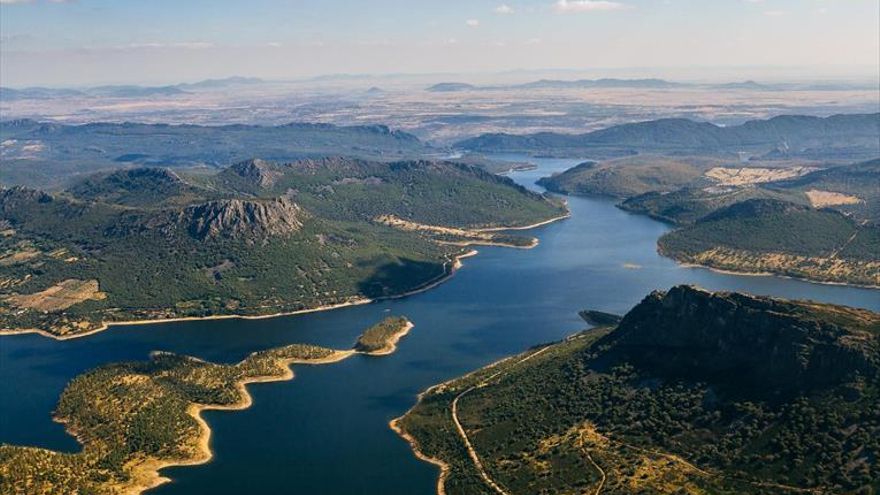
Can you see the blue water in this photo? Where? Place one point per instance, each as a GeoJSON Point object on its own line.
{"type": "Point", "coordinates": [326, 431]}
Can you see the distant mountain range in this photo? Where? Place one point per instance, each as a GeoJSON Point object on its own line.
{"type": "Point", "coordinates": [138, 91]}
{"type": "Point", "coordinates": [649, 83]}
{"type": "Point", "coordinates": [122, 91]}
{"type": "Point", "coordinates": [852, 136]}
{"type": "Point", "coordinates": [47, 155]}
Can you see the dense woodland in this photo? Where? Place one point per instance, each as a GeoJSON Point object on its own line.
{"type": "Point", "coordinates": [818, 223]}
{"type": "Point", "coordinates": [259, 238]}
{"type": "Point", "coordinates": [540, 424]}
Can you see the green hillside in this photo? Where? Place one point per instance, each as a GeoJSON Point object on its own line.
{"type": "Point", "coordinates": [52, 155]}
{"type": "Point", "coordinates": [761, 235]}
{"type": "Point", "coordinates": [687, 205]}
{"type": "Point", "coordinates": [627, 177]}
{"type": "Point", "coordinates": [859, 180]}
{"type": "Point", "coordinates": [148, 244]}
{"type": "Point", "coordinates": [692, 392]}
{"type": "Point", "coordinates": [437, 193]}
{"type": "Point", "coordinates": [841, 137]}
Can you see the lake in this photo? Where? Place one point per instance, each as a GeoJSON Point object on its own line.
{"type": "Point", "coordinates": [327, 430]}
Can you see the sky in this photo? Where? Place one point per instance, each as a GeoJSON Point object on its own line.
{"type": "Point", "coordinates": [83, 42]}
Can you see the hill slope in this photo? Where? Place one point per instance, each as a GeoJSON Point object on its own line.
{"type": "Point", "coordinates": [630, 176]}
{"type": "Point", "coordinates": [765, 235]}
{"type": "Point", "coordinates": [52, 155]}
{"type": "Point", "coordinates": [839, 136]}
{"type": "Point", "coordinates": [257, 238]}
{"type": "Point", "coordinates": [692, 392]}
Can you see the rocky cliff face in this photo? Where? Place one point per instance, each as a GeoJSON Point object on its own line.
{"type": "Point", "coordinates": [246, 219]}
{"type": "Point", "coordinates": [747, 341]}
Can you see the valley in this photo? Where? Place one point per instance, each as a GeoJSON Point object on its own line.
{"type": "Point", "coordinates": [526, 247]}
{"type": "Point", "coordinates": [816, 222]}
{"type": "Point", "coordinates": [486, 312]}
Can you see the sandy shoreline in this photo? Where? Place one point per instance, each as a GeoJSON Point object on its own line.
{"type": "Point", "coordinates": [527, 227]}
{"type": "Point", "coordinates": [456, 264]}
{"type": "Point", "coordinates": [533, 244]}
{"type": "Point", "coordinates": [394, 424]}
{"type": "Point", "coordinates": [391, 344]}
{"type": "Point", "coordinates": [146, 475]}
{"type": "Point", "coordinates": [685, 264]}
{"type": "Point", "coordinates": [128, 323]}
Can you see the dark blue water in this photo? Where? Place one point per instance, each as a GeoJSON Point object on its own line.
{"type": "Point", "coordinates": [326, 431]}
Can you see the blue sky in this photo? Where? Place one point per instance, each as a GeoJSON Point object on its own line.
{"type": "Point", "coordinates": [150, 41]}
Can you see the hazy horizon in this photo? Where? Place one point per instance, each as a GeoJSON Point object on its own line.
{"type": "Point", "coordinates": [92, 42]}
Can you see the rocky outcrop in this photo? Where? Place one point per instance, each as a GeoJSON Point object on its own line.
{"type": "Point", "coordinates": [257, 172]}
{"type": "Point", "coordinates": [747, 341]}
{"type": "Point", "coordinates": [245, 219]}
{"type": "Point", "coordinates": [18, 196]}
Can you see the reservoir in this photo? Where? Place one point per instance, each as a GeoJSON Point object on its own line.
{"type": "Point", "coordinates": [326, 432]}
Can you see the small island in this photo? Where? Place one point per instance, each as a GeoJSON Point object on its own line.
{"type": "Point", "coordinates": [381, 339]}
{"type": "Point", "coordinates": [135, 418]}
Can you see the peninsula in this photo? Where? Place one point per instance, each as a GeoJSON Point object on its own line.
{"type": "Point", "coordinates": [255, 239]}
{"type": "Point", "coordinates": [135, 418]}
{"type": "Point", "coordinates": [691, 391]}
{"type": "Point", "coordinates": [819, 222]}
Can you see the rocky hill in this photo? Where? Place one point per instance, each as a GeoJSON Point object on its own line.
{"type": "Point", "coordinates": [146, 186]}
{"type": "Point", "coordinates": [238, 218]}
{"type": "Point", "coordinates": [259, 237]}
{"type": "Point", "coordinates": [692, 392]}
{"type": "Point", "coordinates": [748, 341]}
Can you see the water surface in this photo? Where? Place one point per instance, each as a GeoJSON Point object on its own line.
{"type": "Point", "coordinates": [326, 431]}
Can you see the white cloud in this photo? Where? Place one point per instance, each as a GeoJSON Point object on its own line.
{"type": "Point", "coordinates": [533, 41]}
{"type": "Point", "coordinates": [472, 22]}
{"type": "Point", "coordinates": [774, 13]}
{"type": "Point", "coordinates": [274, 44]}
{"type": "Point", "coordinates": [588, 6]}
{"type": "Point", "coordinates": [504, 9]}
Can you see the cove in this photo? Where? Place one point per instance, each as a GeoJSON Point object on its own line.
{"type": "Point", "coordinates": [327, 430]}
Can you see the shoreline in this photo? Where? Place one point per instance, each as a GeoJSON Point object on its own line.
{"type": "Point", "coordinates": [456, 265]}
{"type": "Point", "coordinates": [415, 448]}
{"type": "Point", "coordinates": [533, 244]}
{"type": "Point", "coordinates": [391, 344]}
{"type": "Point", "coordinates": [724, 271]}
{"type": "Point", "coordinates": [528, 227]}
{"type": "Point", "coordinates": [445, 469]}
{"type": "Point", "coordinates": [146, 476]}
{"type": "Point", "coordinates": [396, 427]}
